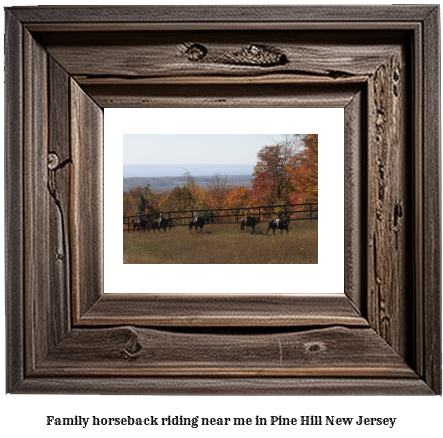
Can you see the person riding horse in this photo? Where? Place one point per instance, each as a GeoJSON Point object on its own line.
{"type": "Point", "coordinates": [196, 216]}
{"type": "Point", "coordinates": [160, 217]}
{"type": "Point", "coordinates": [198, 221]}
{"type": "Point", "coordinates": [140, 218]}
{"type": "Point", "coordinates": [278, 218]}
{"type": "Point", "coordinates": [248, 214]}
{"type": "Point", "coordinates": [249, 221]}
{"type": "Point", "coordinates": [281, 223]}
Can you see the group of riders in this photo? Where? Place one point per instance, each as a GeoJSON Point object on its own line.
{"type": "Point", "coordinates": [248, 215]}
{"type": "Point", "coordinates": [161, 217]}
{"type": "Point", "coordinates": [140, 218]}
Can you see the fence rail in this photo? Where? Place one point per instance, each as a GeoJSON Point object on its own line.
{"type": "Point", "coordinates": [233, 215]}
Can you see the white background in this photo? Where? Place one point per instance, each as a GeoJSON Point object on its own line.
{"type": "Point", "coordinates": [328, 123]}
{"type": "Point", "coordinates": [23, 415]}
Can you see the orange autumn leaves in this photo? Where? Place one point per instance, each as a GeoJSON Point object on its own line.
{"type": "Point", "coordinates": [304, 174]}
{"type": "Point", "coordinates": [139, 199]}
{"type": "Point", "coordinates": [285, 173]}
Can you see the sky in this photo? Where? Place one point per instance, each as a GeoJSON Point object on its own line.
{"type": "Point", "coordinates": [195, 148]}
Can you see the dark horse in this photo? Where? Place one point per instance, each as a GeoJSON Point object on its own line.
{"type": "Point", "coordinates": [283, 224]}
{"type": "Point", "coordinates": [253, 222]}
{"type": "Point", "coordinates": [165, 223]}
{"type": "Point", "coordinates": [199, 223]}
{"type": "Point", "coordinates": [144, 224]}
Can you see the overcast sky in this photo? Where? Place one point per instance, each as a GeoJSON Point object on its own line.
{"type": "Point", "coordinates": [195, 148]}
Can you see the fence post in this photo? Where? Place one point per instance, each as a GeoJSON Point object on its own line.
{"type": "Point", "coordinates": [310, 211]}
{"type": "Point", "coordinates": [259, 214]}
{"type": "Point", "coordinates": [237, 214]}
{"type": "Point", "coordinates": [285, 210]}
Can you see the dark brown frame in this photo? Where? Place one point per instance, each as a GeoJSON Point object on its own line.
{"type": "Point", "coordinates": [64, 65]}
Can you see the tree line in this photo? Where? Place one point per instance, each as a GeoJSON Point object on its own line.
{"type": "Point", "coordinates": [286, 172]}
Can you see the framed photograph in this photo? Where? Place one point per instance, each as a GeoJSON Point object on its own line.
{"type": "Point", "coordinates": [377, 331]}
{"type": "Point", "coordinates": [221, 187]}
{"type": "Point", "coordinates": [181, 169]}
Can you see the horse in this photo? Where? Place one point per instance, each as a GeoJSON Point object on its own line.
{"type": "Point", "coordinates": [166, 222]}
{"type": "Point", "coordinates": [199, 223]}
{"type": "Point", "coordinates": [283, 224]}
{"type": "Point", "coordinates": [253, 222]}
{"type": "Point", "coordinates": [144, 224]}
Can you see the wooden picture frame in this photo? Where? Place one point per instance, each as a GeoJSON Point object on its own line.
{"type": "Point", "coordinates": [65, 64]}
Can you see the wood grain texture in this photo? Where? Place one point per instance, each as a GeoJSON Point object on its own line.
{"type": "Point", "coordinates": [227, 14]}
{"type": "Point", "coordinates": [431, 317]}
{"type": "Point", "coordinates": [59, 168]}
{"type": "Point", "coordinates": [129, 351]}
{"type": "Point", "coordinates": [240, 310]}
{"type": "Point", "coordinates": [417, 357]}
{"type": "Point", "coordinates": [233, 26]}
{"type": "Point", "coordinates": [388, 204]}
{"type": "Point", "coordinates": [37, 306]}
{"type": "Point", "coordinates": [166, 54]}
{"type": "Point", "coordinates": [86, 208]}
{"type": "Point", "coordinates": [14, 246]}
{"type": "Point", "coordinates": [74, 61]}
{"type": "Point", "coordinates": [355, 193]}
{"type": "Point", "coordinates": [288, 386]}
{"type": "Point", "coordinates": [226, 96]}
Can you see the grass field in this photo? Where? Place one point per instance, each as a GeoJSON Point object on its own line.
{"type": "Point", "coordinates": [224, 244]}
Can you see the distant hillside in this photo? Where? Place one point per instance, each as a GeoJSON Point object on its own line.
{"type": "Point", "coordinates": [167, 183]}
{"type": "Point", "coordinates": [173, 170]}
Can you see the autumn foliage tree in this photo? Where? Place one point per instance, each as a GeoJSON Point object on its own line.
{"type": "Point", "coordinates": [139, 199]}
{"type": "Point", "coordinates": [286, 172]}
{"type": "Point", "coordinates": [272, 183]}
{"type": "Point", "coordinates": [179, 199]}
{"type": "Point", "coordinates": [239, 197]}
{"type": "Point", "coordinates": [145, 200]}
{"type": "Point", "coordinates": [198, 193]}
{"type": "Point", "coordinates": [304, 171]}
{"type": "Point", "coordinates": [128, 203]}
{"type": "Point", "coordinates": [217, 192]}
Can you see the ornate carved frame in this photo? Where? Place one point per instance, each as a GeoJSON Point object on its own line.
{"type": "Point", "coordinates": [64, 65]}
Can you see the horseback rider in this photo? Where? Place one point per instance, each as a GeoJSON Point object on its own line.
{"type": "Point", "coordinates": [160, 217]}
{"type": "Point", "coordinates": [140, 218]}
{"type": "Point", "coordinates": [196, 216]}
{"type": "Point", "coordinates": [278, 218]}
{"type": "Point", "coordinates": [247, 216]}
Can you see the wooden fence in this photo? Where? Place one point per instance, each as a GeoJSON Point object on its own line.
{"type": "Point", "coordinates": [234, 215]}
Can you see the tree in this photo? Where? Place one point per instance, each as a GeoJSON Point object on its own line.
{"type": "Point", "coordinates": [272, 182]}
{"type": "Point", "coordinates": [139, 199]}
{"type": "Point", "coordinates": [217, 190]}
{"type": "Point", "coordinates": [179, 199]}
{"type": "Point", "coordinates": [304, 171]}
{"type": "Point", "coordinates": [128, 203]}
{"type": "Point", "coordinates": [198, 193]}
{"type": "Point", "coordinates": [239, 197]}
{"type": "Point", "coordinates": [145, 200]}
